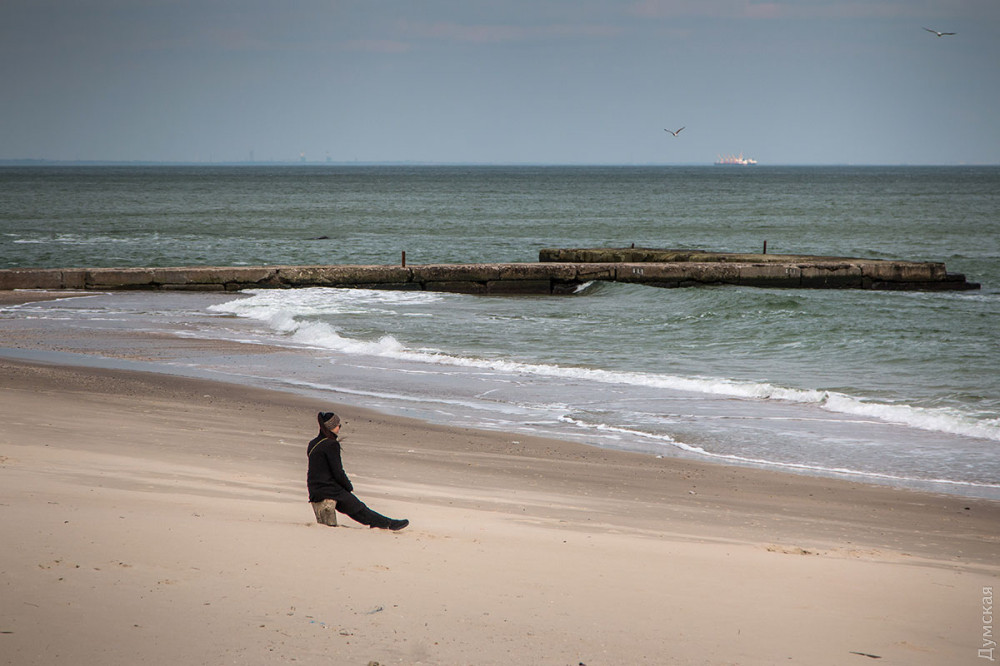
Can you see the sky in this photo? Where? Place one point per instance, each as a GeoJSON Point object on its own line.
{"type": "Point", "coordinates": [511, 82]}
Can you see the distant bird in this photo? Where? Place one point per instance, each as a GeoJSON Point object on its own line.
{"type": "Point", "coordinates": [673, 132]}
{"type": "Point", "coordinates": [940, 34]}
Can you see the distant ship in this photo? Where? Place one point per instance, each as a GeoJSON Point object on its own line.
{"type": "Point", "coordinates": [735, 160]}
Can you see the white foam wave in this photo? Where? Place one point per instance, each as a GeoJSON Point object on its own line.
{"type": "Point", "coordinates": [70, 239]}
{"type": "Point", "coordinates": [285, 313]}
{"type": "Point", "coordinates": [815, 469]}
{"type": "Point", "coordinates": [265, 304]}
{"type": "Point", "coordinates": [935, 420]}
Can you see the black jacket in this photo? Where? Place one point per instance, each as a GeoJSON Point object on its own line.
{"type": "Point", "coordinates": [326, 478]}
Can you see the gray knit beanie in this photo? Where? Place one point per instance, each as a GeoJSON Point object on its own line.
{"type": "Point", "coordinates": [329, 420]}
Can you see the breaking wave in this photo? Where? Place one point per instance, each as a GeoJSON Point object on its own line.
{"type": "Point", "coordinates": [298, 320]}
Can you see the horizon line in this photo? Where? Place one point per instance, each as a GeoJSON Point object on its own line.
{"type": "Point", "coordinates": [299, 163]}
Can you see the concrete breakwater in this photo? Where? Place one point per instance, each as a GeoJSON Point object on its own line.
{"type": "Point", "coordinates": [681, 268]}
{"type": "Point", "coordinates": [460, 278]}
{"type": "Point", "coordinates": [557, 272]}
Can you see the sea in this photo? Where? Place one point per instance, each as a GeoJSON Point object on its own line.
{"type": "Point", "coordinates": [898, 388]}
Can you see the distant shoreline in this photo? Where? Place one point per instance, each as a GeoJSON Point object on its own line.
{"type": "Point", "coordinates": [29, 162]}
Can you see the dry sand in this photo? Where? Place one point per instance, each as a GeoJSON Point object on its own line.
{"type": "Point", "coordinates": [150, 519]}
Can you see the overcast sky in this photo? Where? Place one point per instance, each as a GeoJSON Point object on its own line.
{"type": "Point", "coordinates": [506, 81]}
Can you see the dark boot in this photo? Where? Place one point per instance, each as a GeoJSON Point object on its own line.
{"type": "Point", "coordinates": [372, 518]}
{"type": "Point", "coordinates": [396, 525]}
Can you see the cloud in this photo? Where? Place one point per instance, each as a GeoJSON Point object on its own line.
{"type": "Point", "coordinates": [690, 8]}
{"type": "Point", "coordinates": [375, 46]}
{"type": "Point", "coordinates": [769, 9]}
{"type": "Point", "coordinates": [506, 33]}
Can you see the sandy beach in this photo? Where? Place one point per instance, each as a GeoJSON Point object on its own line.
{"type": "Point", "coordinates": [156, 519]}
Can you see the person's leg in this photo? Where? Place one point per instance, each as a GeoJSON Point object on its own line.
{"type": "Point", "coordinates": [356, 510]}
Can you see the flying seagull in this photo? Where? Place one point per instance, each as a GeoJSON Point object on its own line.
{"type": "Point", "coordinates": [940, 34]}
{"type": "Point", "coordinates": [673, 132]}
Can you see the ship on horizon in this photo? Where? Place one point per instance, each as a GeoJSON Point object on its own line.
{"type": "Point", "coordinates": [737, 160]}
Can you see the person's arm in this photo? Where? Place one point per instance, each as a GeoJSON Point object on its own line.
{"type": "Point", "coordinates": [337, 468]}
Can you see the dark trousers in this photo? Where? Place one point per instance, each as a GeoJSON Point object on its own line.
{"type": "Point", "coordinates": [349, 505]}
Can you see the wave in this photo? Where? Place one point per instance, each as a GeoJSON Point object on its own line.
{"type": "Point", "coordinates": [68, 239]}
{"type": "Point", "coordinates": [667, 440]}
{"type": "Point", "coordinates": [274, 309]}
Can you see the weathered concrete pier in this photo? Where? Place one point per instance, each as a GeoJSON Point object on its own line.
{"type": "Point", "coordinates": [558, 271]}
{"type": "Point", "coordinates": [684, 268]}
